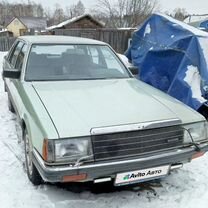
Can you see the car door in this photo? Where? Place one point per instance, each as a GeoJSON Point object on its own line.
{"type": "Point", "coordinates": [15, 60]}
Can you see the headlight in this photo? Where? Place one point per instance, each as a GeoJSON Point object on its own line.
{"type": "Point", "coordinates": [69, 150]}
{"type": "Point", "coordinates": [195, 131]}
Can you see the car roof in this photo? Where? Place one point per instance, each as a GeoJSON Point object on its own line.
{"type": "Point", "coordinates": [58, 39]}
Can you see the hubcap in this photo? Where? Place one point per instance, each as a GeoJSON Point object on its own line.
{"type": "Point", "coordinates": [28, 154]}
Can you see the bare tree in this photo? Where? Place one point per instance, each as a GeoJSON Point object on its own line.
{"type": "Point", "coordinates": [58, 14]}
{"type": "Point", "coordinates": [10, 10]}
{"type": "Point", "coordinates": [38, 10]}
{"type": "Point", "coordinates": [180, 14]}
{"type": "Point", "coordinates": [48, 14]}
{"type": "Point", "coordinates": [76, 10]}
{"type": "Point", "coordinates": [126, 13]}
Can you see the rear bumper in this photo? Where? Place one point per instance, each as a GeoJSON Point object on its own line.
{"type": "Point", "coordinates": [110, 169]}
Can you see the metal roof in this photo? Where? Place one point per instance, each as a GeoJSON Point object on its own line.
{"type": "Point", "coordinates": [33, 22]}
{"type": "Point", "coordinates": [58, 39]}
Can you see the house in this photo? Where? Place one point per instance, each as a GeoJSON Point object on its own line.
{"type": "Point", "coordinates": [198, 21]}
{"type": "Point", "coordinates": [84, 21]}
{"type": "Point", "coordinates": [25, 25]}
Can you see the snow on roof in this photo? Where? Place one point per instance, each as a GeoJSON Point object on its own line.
{"type": "Point", "coordinates": [193, 30]}
{"type": "Point", "coordinates": [196, 18]}
{"type": "Point", "coordinates": [52, 27]}
{"type": "Point", "coordinates": [74, 19]}
{"type": "Point", "coordinates": [126, 28]}
{"type": "Point", "coordinates": [4, 29]}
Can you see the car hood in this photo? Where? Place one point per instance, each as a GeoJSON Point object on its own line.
{"type": "Point", "coordinates": [76, 107]}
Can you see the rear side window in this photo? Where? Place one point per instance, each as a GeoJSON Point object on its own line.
{"type": "Point", "coordinates": [20, 58]}
{"type": "Point", "coordinates": [15, 53]}
{"type": "Point", "coordinates": [11, 51]}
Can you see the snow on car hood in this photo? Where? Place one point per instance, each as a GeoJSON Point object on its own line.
{"type": "Point", "coordinates": [78, 106]}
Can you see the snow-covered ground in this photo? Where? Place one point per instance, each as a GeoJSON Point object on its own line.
{"type": "Point", "coordinates": [184, 188]}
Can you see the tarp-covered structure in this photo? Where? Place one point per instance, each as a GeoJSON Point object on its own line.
{"type": "Point", "coordinates": [173, 57]}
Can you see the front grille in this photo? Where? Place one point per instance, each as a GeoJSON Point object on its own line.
{"type": "Point", "coordinates": [135, 143]}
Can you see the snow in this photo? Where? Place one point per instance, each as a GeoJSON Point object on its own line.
{"type": "Point", "coordinates": [196, 18]}
{"type": "Point", "coordinates": [66, 22]}
{"type": "Point", "coordinates": [185, 26]}
{"type": "Point", "coordinates": [126, 28]}
{"type": "Point", "coordinates": [124, 60]}
{"type": "Point", "coordinates": [147, 29]}
{"type": "Point", "coordinates": [204, 45]}
{"type": "Point", "coordinates": [193, 79]}
{"type": "Point", "coordinates": [184, 188]}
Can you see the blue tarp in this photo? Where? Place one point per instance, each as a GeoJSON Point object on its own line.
{"type": "Point", "coordinates": [172, 57]}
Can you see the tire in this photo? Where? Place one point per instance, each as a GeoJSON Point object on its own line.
{"type": "Point", "coordinates": [32, 171]}
{"type": "Point", "coordinates": [10, 105]}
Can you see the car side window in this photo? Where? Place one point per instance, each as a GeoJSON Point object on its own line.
{"type": "Point", "coordinates": [15, 54]}
{"type": "Point", "coordinates": [11, 52]}
{"type": "Point", "coordinates": [20, 58]}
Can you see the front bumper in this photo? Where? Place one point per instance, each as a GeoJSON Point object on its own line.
{"type": "Point", "coordinates": [110, 169]}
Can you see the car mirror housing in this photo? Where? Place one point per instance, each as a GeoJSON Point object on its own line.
{"type": "Point", "coordinates": [11, 73]}
{"type": "Point", "coordinates": [134, 70]}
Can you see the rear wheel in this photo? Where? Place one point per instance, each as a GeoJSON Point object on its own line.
{"type": "Point", "coordinates": [32, 171]}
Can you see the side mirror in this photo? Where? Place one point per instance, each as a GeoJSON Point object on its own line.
{"type": "Point", "coordinates": [134, 70]}
{"type": "Point", "coordinates": [11, 73]}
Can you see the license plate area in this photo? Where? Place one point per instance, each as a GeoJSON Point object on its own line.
{"type": "Point", "coordinates": [141, 175]}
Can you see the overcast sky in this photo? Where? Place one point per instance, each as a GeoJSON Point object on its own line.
{"type": "Point", "coordinates": [191, 6]}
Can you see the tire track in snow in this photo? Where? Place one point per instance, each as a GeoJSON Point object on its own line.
{"type": "Point", "coordinates": [19, 158]}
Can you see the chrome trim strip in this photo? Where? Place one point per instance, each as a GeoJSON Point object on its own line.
{"type": "Point", "coordinates": [174, 167]}
{"type": "Point", "coordinates": [101, 180]}
{"type": "Point", "coordinates": [134, 127]}
{"type": "Point", "coordinates": [68, 168]}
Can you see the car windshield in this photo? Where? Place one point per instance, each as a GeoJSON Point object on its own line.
{"type": "Point", "coordinates": [73, 62]}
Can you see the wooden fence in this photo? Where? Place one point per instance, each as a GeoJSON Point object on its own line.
{"type": "Point", "coordinates": [6, 43]}
{"type": "Point", "coordinates": [117, 38]}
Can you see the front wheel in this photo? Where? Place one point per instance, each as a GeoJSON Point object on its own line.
{"type": "Point", "coordinates": [32, 171]}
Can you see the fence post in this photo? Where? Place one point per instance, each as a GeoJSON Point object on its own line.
{"type": "Point", "coordinates": [6, 43]}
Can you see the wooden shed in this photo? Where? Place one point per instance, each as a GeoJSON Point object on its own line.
{"type": "Point", "coordinates": [83, 21]}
